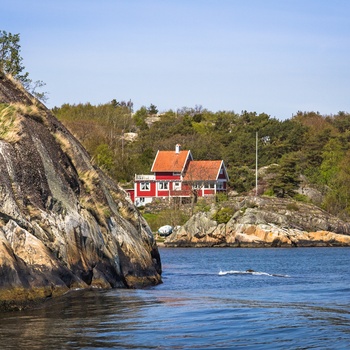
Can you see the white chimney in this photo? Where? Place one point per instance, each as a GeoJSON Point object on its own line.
{"type": "Point", "coordinates": [177, 148]}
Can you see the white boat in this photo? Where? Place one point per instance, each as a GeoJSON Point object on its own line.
{"type": "Point", "coordinates": [165, 230]}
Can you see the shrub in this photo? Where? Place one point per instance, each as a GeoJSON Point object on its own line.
{"type": "Point", "coordinates": [292, 207]}
{"type": "Point", "coordinates": [301, 198]}
{"type": "Point", "coordinates": [269, 192]}
{"type": "Point", "coordinates": [223, 215]}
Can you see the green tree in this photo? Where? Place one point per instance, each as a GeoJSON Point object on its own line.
{"type": "Point", "coordinates": [152, 109]}
{"type": "Point", "coordinates": [11, 63]}
{"type": "Point", "coordinates": [332, 156]}
{"type": "Point", "coordinates": [337, 199]}
{"type": "Point", "coordinates": [105, 158]}
{"type": "Point", "coordinates": [286, 176]}
{"type": "Point", "coordinates": [242, 179]}
{"type": "Point", "coordinates": [140, 118]}
{"type": "Point", "coordinates": [10, 58]}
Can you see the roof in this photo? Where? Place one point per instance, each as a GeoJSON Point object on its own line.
{"type": "Point", "coordinates": [203, 170]}
{"type": "Point", "coordinates": [170, 161]}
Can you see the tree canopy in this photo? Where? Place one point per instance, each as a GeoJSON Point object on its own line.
{"type": "Point", "coordinates": [11, 63]}
{"type": "Point", "coordinates": [309, 145]}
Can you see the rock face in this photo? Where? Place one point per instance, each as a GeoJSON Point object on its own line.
{"type": "Point", "coordinates": [264, 222]}
{"type": "Point", "coordinates": [63, 223]}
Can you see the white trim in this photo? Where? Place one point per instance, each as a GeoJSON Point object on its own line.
{"type": "Point", "coordinates": [154, 160]}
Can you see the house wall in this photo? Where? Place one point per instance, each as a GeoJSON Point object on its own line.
{"type": "Point", "coordinates": [167, 176]}
{"type": "Point", "coordinates": [151, 192]}
{"type": "Point", "coordinates": [185, 190]}
{"type": "Point", "coordinates": [131, 193]}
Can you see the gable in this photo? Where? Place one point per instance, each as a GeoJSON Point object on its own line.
{"type": "Point", "coordinates": [170, 161]}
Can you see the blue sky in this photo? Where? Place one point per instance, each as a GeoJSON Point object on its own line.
{"type": "Point", "coordinates": [272, 56]}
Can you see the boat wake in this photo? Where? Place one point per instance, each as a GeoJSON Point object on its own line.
{"type": "Point", "coordinates": [250, 272]}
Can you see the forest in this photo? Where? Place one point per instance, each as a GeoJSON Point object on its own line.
{"type": "Point", "coordinates": [308, 145]}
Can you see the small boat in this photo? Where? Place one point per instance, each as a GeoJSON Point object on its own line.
{"type": "Point", "coordinates": [165, 230]}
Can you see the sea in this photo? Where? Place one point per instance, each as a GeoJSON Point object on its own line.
{"type": "Point", "coordinates": [210, 298]}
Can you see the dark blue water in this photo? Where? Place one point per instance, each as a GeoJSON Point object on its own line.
{"type": "Point", "coordinates": [294, 299]}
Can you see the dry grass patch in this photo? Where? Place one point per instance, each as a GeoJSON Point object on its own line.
{"type": "Point", "coordinates": [10, 123]}
{"type": "Point", "coordinates": [32, 111]}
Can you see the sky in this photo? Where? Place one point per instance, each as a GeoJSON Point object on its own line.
{"type": "Point", "coordinates": [266, 56]}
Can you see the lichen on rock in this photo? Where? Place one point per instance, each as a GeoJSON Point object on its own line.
{"type": "Point", "coordinates": [264, 222]}
{"type": "Point", "coordinates": [63, 223]}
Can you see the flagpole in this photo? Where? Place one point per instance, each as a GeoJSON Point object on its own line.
{"type": "Point", "coordinates": [256, 164]}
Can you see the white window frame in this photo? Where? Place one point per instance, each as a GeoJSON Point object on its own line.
{"type": "Point", "coordinates": [209, 185]}
{"type": "Point", "coordinates": [144, 186]}
{"type": "Point", "coordinates": [177, 186]}
{"type": "Point", "coordinates": [197, 186]}
{"type": "Point", "coordinates": [163, 186]}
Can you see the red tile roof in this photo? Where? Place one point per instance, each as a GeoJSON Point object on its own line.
{"type": "Point", "coordinates": [170, 161]}
{"type": "Point", "coordinates": [203, 170]}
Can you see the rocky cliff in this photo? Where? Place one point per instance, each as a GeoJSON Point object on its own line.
{"type": "Point", "coordinates": [63, 223]}
{"type": "Point", "coordinates": [263, 222]}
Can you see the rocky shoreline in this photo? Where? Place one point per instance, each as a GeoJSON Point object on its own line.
{"type": "Point", "coordinates": [261, 222]}
{"type": "Point", "coordinates": [63, 224]}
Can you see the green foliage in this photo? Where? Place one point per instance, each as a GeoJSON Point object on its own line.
{"type": "Point", "coordinates": [337, 199]}
{"type": "Point", "coordinates": [104, 155]}
{"type": "Point", "coordinates": [221, 197]}
{"type": "Point", "coordinates": [301, 198]}
{"type": "Point", "coordinates": [152, 109]}
{"type": "Point", "coordinates": [11, 63]}
{"type": "Point", "coordinates": [269, 192]}
{"type": "Point", "coordinates": [292, 207]}
{"type": "Point", "coordinates": [285, 179]}
{"type": "Point", "coordinates": [332, 154]}
{"type": "Point", "coordinates": [10, 58]}
{"type": "Point", "coordinates": [140, 118]}
{"type": "Point", "coordinates": [201, 206]}
{"type": "Point", "coordinates": [242, 179]}
{"type": "Point", "coordinates": [169, 216]}
{"type": "Point", "coordinates": [223, 215]}
{"type": "Point", "coordinates": [308, 144]}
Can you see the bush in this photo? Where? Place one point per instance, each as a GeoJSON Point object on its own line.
{"type": "Point", "coordinates": [221, 197]}
{"type": "Point", "coordinates": [292, 207]}
{"type": "Point", "coordinates": [165, 217]}
{"type": "Point", "coordinates": [202, 206]}
{"type": "Point", "coordinates": [223, 215]}
{"type": "Point", "coordinates": [269, 192]}
{"type": "Point", "coordinates": [301, 198]}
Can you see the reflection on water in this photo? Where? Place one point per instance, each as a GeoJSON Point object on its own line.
{"type": "Point", "coordinates": [195, 308]}
{"type": "Point", "coordinates": [146, 319]}
{"type": "Point", "coordinates": [81, 319]}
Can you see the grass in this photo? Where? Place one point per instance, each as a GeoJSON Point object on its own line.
{"type": "Point", "coordinates": [10, 126]}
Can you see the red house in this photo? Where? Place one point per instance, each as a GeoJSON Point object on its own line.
{"type": "Point", "coordinates": [176, 174]}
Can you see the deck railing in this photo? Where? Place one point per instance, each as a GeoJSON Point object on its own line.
{"type": "Point", "coordinates": [145, 177]}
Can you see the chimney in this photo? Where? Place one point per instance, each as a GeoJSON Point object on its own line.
{"type": "Point", "coordinates": [177, 148]}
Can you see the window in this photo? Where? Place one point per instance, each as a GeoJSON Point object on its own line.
{"type": "Point", "coordinates": [177, 186]}
{"type": "Point", "coordinates": [197, 186]}
{"type": "Point", "coordinates": [144, 186]}
{"type": "Point", "coordinates": [220, 186]}
{"type": "Point", "coordinates": [163, 185]}
{"type": "Point", "coordinates": [209, 185]}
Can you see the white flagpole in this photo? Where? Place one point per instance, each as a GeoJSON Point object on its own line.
{"type": "Point", "coordinates": [256, 165]}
